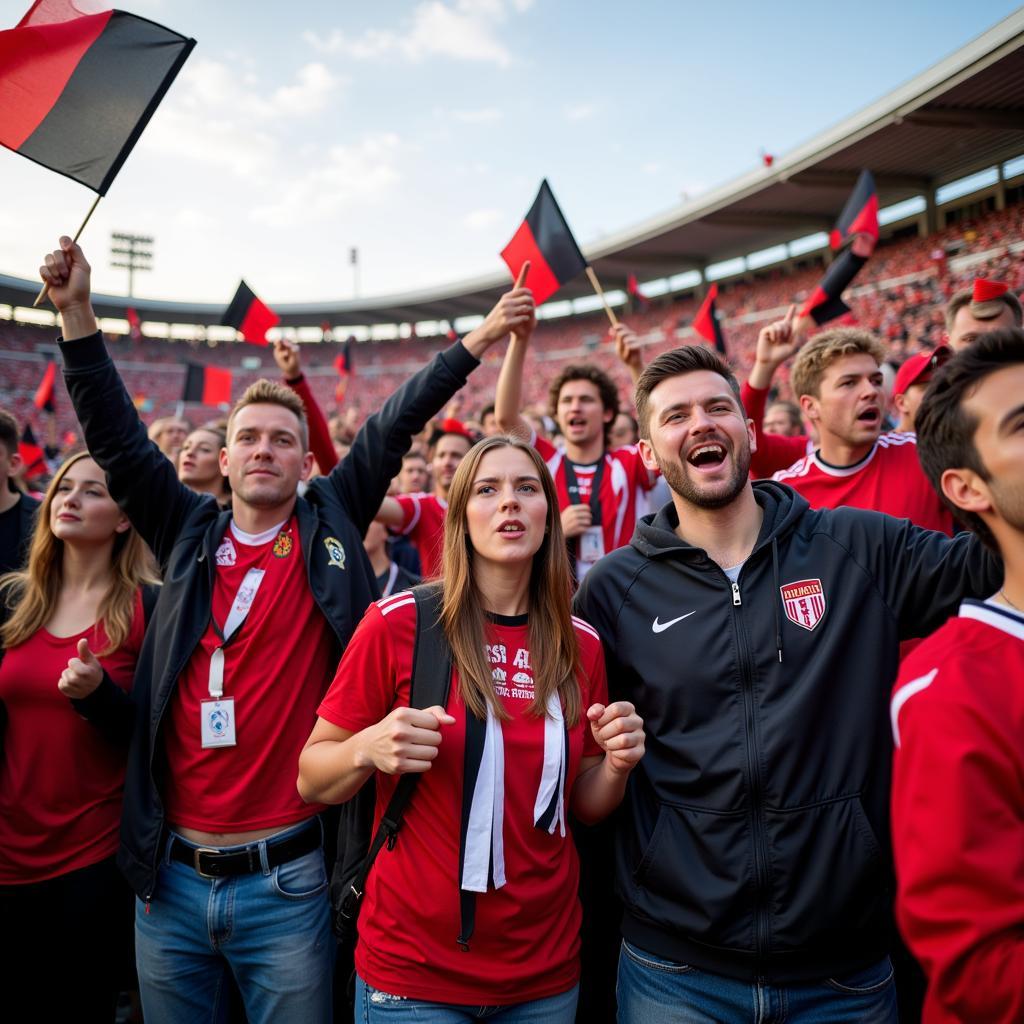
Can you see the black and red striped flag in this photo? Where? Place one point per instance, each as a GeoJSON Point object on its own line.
{"type": "Point", "coordinates": [545, 240]}
{"type": "Point", "coordinates": [451, 334]}
{"type": "Point", "coordinates": [32, 454]}
{"type": "Point", "coordinates": [249, 316]}
{"type": "Point", "coordinates": [134, 323]}
{"type": "Point", "coordinates": [207, 385]}
{"type": "Point", "coordinates": [860, 214]}
{"type": "Point", "coordinates": [706, 324]}
{"type": "Point", "coordinates": [345, 367]}
{"type": "Point", "coordinates": [77, 90]}
{"type": "Point", "coordinates": [44, 396]}
{"type": "Point", "coordinates": [640, 301]}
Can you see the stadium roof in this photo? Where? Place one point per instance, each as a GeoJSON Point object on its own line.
{"type": "Point", "coordinates": [962, 115]}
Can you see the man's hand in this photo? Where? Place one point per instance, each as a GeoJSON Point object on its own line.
{"type": "Point", "coordinates": [82, 675]}
{"type": "Point", "coordinates": [406, 741]}
{"type": "Point", "coordinates": [775, 344]}
{"type": "Point", "coordinates": [67, 274]}
{"type": "Point", "coordinates": [576, 519]}
{"type": "Point", "coordinates": [628, 349]}
{"type": "Point", "coordinates": [514, 313]}
{"type": "Point", "coordinates": [619, 732]}
{"type": "Point", "coordinates": [286, 355]}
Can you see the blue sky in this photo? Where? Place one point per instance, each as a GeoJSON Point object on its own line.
{"type": "Point", "coordinates": [418, 131]}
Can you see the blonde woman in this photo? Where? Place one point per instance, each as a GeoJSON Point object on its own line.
{"type": "Point", "coordinates": [474, 911]}
{"type": "Point", "coordinates": [69, 650]}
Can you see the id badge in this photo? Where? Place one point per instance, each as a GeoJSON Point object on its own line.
{"type": "Point", "coordinates": [217, 722]}
{"type": "Point", "coordinates": [592, 544]}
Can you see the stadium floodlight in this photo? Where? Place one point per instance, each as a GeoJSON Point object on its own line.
{"type": "Point", "coordinates": [131, 253]}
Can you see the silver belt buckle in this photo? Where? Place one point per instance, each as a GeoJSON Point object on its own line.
{"type": "Point", "coordinates": [195, 860]}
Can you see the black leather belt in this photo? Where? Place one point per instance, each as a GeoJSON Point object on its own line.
{"type": "Point", "coordinates": [210, 862]}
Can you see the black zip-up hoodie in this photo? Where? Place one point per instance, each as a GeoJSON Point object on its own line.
{"type": "Point", "coordinates": [755, 841]}
{"type": "Point", "coordinates": [184, 529]}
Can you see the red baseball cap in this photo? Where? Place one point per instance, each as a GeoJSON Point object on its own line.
{"type": "Point", "coordinates": [918, 365]}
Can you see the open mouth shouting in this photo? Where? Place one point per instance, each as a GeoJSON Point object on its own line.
{"type": "Point", "coordinates": [707, 457]}
{"type": "Point", "coordinates": [870, 417]}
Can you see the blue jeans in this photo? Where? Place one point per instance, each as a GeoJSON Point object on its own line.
{"type": "Point", "coordinates": [375, 1007]}
{"type": "Point", "coordinates": [271, 929]}
{"type": "Point", "coordinates": [652, 990]}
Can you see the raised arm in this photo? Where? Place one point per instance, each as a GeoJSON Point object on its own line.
{"type": "Point", "coordinates": [286, 355]}
{"type": "Point", "coordinates": [140, 477]}
{"type": "Point", "coordinates": [508, 398]}
{"type": "Point", "coordinates": [629, 350]}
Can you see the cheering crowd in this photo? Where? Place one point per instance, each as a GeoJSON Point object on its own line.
{"type": "Point", "coordinates": [777, 649]}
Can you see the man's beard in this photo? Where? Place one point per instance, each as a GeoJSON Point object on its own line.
{"type": "Point", "coordinates": [676, 477]}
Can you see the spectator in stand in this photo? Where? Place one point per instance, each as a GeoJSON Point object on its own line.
{"type": "Point", "coordinates": [391, 577]}
{"type": "Point", "coordinates": [784, 419]}
{"type": "Point", "coordinates": [169, 433]}
{"type": "Point", "coordinates": [624, 431]}
{"type": "Point", "coordinates": [529, 679]}
{"type": "Point", "coordinates": [598, 487]}
{"type": "Point", "coordinates": [221, 816]}
{"type": "Point", "coordinates": [414, 476]}
{"type": "Point", "coordinates": [987, 306]}
{"type": "Point", "coordinates": [838, 378]}
{"type": "Point", "coordinates": [488, 421]}
{"type": "Point", "coordinates": [958, 711]}
{"type": "Point", "coordinates": [912, 380]}
{"type": "Point", "coordinates": [17, 510]}
{"type": "Point", "coordinates": [69, 651]}
{"type": "Point", "coordinates": [286, 355]}
{"type": "Point", "coordinates": [199, 463]}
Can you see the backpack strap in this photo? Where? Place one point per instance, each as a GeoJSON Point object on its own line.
{"type": "Point", "coordinates": [430, 683]}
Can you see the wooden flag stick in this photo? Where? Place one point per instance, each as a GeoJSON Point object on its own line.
{"type": "Point", "coordinates": [600, 293]}
{"type": "Point", "coordinates": [45, 290]}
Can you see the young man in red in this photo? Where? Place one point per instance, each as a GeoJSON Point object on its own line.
{"type": "Point", "coordinates": [837, 378]}
{"type": "Point", "coordinates": [958, 711]}
{"type": "Point", "coordinates": [912, 380]}
{"type": "Point", "coordinates": [599, 488]}
{"type": "Point", "coordinates": [973, 312]}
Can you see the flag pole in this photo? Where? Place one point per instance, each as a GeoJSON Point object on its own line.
{"type": "Point", "coordinates": [600, 293]}
{"type": "Point", "coordinates": [45, 290]}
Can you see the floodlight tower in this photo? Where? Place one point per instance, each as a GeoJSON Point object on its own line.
{"type": "Point", "coordinates": [131, 253]}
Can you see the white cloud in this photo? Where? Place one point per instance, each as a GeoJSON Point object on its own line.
{"type": "Point", "coordinates": [463, 30]}
{"type": "Point", "coordinates": [477, 220]}
{"type": "Point", "coordinates": [579, 111]}
{"type": "Point", "coordinates": [483, 116]}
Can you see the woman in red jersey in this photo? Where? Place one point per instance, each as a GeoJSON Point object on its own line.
{"type": "Point", "coordinates": [474, 911]}
{"type": "Point", "coordinates": [69, 649]}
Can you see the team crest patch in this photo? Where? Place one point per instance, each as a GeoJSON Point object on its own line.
{"type": "Point", "coordinates": [226, 554]}
{"type": "Point", "coordinates": [283, 545]}
{"type": "Point", "coordinates": [804, 602]}
{"type": "Point", "coordinates": [335, 552]}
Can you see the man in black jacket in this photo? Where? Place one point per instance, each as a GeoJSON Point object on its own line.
{"type": "Point", "coordinates": [759, 640]}
{"type": "Point", "coordinates": [257, 604]}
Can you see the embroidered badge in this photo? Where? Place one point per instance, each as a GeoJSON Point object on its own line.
{"type": "Point", "coordinates": [226, 554]}
{"type": "Point", "coordinates": [283, 545]}
{"type": "Point", "coordinates": [335, 551]}
{"type": "Point", "coordinates": [804, 602]}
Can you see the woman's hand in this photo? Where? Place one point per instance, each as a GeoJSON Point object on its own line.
{"type": "Point", "coordinates": [619, 732]}
{"type": "Point", "coordinates": [406, 741]}
{"type": "Point", "coordinates": [82, 675]}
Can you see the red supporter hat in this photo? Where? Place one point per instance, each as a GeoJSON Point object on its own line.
{"type": "Point", "coordinates": [453, 426]}
{"type": "Point", "coordinates": [985, 298]}
{"type": "Point", "coordinates": [916, 366]}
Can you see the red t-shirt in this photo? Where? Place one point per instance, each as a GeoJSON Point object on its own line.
{"type": "Point", "coordinates": [889, 479]}
{"type": "Point", "coordinates": [423, 522]}
{"type": "Point", "coordinates": [276, 669]}
{"type": "Point", "coordinates": [624, 486]}
{"type": "Point", "coordinates": [526, 940]}
{"type": "Point", "coordinates": [958, 814]}
{"type": "Point", "coordinates": [60, 779]}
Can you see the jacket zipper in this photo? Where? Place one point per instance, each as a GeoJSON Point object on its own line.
{"type": "Point", "coordinates": [756, 789]}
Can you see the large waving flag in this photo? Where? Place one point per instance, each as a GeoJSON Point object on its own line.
{"type": "Point", "coordinates": [545, 240]}
{"type": "Point", "coordinates": [77, 89]}
{"type": "Point", "coordinates": [248, 315]}
{"type": "Point", "coordinates": [45, 398]}
{"type": "Point", "coordinates": [706, 324]}
{"type": "Point", "coordinates": [860, 214]}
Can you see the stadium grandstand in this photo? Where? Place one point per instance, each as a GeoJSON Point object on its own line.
{"type": "Point", "coordinates": [947, 153]}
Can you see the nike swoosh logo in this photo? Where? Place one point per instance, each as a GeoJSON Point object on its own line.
{"type": "Point", "coordinates": [660, 627]}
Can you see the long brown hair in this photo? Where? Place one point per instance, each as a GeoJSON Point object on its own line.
{"type": "Point", "coordinates": [554, 650]}
{"type": "Point", "coordinates": [33, 592]}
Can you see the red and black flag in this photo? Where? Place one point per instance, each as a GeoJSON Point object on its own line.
{"type": "Point", "coordinates": [545, 240]}
{"type": "Point", "coordinates": [706, 324]}
{"type": "Point", "coordinates": [44, 397]}
{"type": "Point", "coordinates": [639, 300]}
{"type": "Point", "coordinates": [134, 323]}
{"type": "Point", "coordinates": [249, 316]}
{"type": "Point", "coordinates": [77, 89]}
{"type": "Point", "coordinates": [859, 217]}
{"type": "Point", "coordinates": [345, 367]}
{"type": "Point", "coordinates": [451, 334]}
{"type": "Point", "coordinates": [31, 453]}
{"type": "Point", "coordinates": [207, 385]}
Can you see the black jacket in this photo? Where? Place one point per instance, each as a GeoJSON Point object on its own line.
{"type": "Point", "coordinates": [755, 840]}
{"type": "Point", "coordinates": [184, 530]}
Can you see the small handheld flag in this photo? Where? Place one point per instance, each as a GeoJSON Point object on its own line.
{"type": "Point", "coordinates": [345, 367]}
{"type": "Point", "coordinates": [706, 324]}
{"type": "Point", "coordinates": [860, 214]}
{"type": "Point", "coordinates": [640, 301]}
{"type": "Point", "coordinates": [44, 396]}
{"type": "Point", "coordinates": [249, 316]}
{"type": "Point", "coordinates": [134, 323]}
{"type": "Point", "coordinates": [207, 385]}
{"type": "Point", "coordinates": [31, 453]}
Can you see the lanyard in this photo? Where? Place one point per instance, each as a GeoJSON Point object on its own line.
{"type": "Point", "coordinates": [232, 626]}
{"type": "Point", "coordinates": [572, 485]}
{"type": "Point", "coordinates": [392, 576]}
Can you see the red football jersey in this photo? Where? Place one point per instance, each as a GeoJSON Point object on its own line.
{"type": "Point", "coordinates": [958, 814]}
{"type": "Point", "coordinates": [276, 670]}
{"type": "Point", "coordinates": [526, 941]}
{"type": "Point", "coordinates": [424, 524]}
{"type": "Point", "coordinates": [889, 479]}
